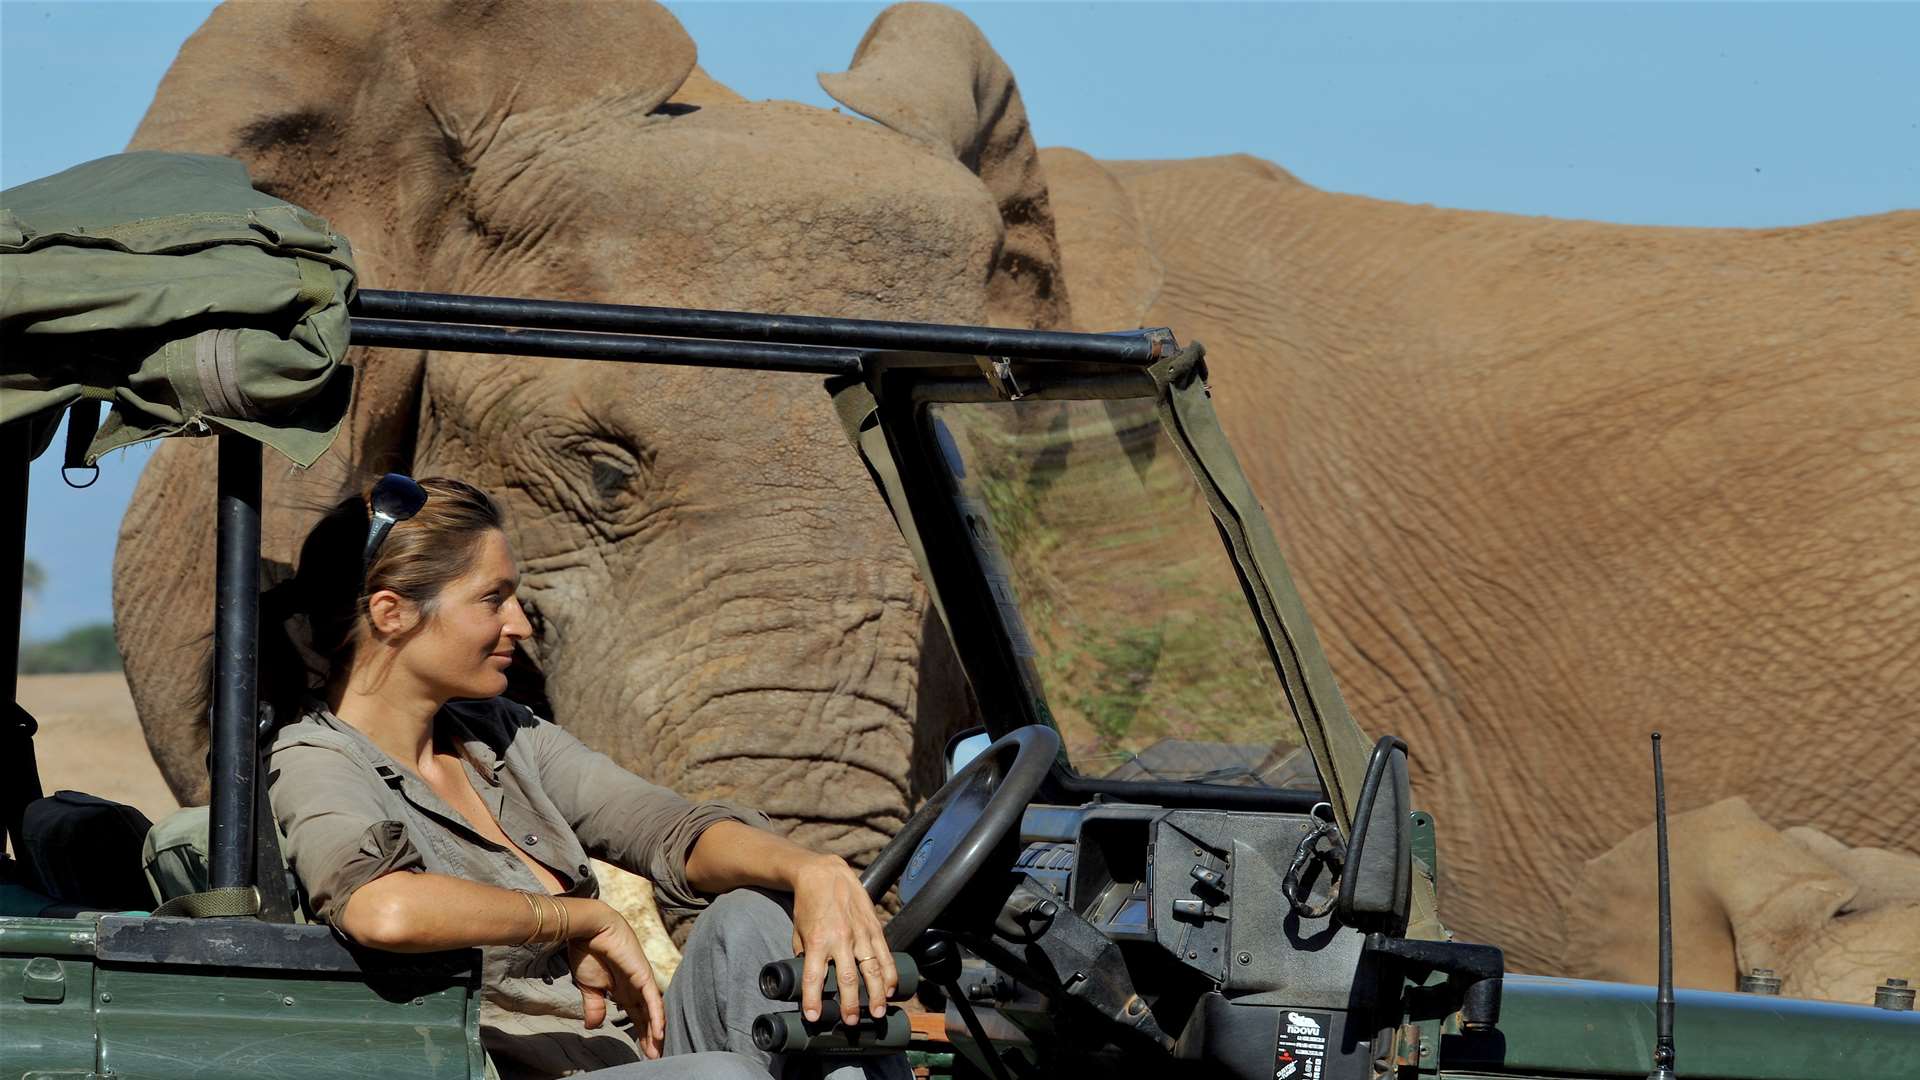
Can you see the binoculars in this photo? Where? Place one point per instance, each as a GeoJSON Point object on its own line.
{"type": "Point", "coordinates": [792, 1033]}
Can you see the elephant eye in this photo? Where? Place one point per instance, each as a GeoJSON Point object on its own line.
{"type": "Point", "coordinates": [611, 476]}
{"type": "Point", "coordinates": [610, 473]}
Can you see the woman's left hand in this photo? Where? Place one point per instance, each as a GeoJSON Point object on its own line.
{"type": "Point", "coordinates": [608, 962]}
{"type": "Point", "coordinates": [834, 921]}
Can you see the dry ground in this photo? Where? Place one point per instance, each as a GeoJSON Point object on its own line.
{"type": "Point", "coordinates": [90, 741]}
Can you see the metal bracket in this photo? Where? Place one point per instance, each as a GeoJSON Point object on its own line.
{"type": "Point", "coordinates": [999, 373]}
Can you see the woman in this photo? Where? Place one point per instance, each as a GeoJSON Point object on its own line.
{"type": "Point", "coordinates": [422, 811]}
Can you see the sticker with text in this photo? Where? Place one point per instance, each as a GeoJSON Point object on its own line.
{"type": "Point", "coordinates": [1302, 1053]}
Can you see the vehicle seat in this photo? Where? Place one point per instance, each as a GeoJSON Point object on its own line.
{"type": "Point", "coordinates": [175, 855]}
{"type": "Point", "coordinates": [175, 858]}
{"type": "Point", "coordinates": [83, 852]}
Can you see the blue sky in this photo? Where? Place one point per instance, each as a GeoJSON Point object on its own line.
{"type": "Point", "coordinates": [1676, 114]}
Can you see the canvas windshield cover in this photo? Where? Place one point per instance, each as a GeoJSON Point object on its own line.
{"type": "Point", "coordinates": [1125, 614]}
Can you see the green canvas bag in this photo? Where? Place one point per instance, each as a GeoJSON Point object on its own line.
{"type": "Point", "coordinates": [166, 286]}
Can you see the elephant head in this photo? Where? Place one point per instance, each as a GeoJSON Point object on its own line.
{"type": "Point", "coordinates": [1831, 921]}
{"type": "Point", "coordinates": [721, 601]}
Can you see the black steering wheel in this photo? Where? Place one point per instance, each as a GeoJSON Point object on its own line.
{"type": "Point", "coordinates": [948, 841]}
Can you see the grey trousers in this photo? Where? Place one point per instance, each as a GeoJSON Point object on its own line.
{"type": "Point", "coordinates": [716, 996]}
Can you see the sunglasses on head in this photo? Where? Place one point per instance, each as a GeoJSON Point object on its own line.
{"type": "Point", "coordinates": [395, 499]}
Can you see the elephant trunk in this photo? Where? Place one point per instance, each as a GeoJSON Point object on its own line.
{"type": "Point", "coordinates": [794, 692]}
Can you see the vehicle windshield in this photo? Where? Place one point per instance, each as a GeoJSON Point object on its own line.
{"type": "Point", "coordinates": [1123, 608]}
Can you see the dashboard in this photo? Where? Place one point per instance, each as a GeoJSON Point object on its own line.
{"type": "Point", "coordinates": [1193, 900]}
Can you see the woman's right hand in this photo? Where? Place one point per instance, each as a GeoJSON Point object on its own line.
{"type": "Point", "coordinates": [607, 961]}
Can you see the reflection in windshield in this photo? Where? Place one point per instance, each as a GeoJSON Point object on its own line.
{"type": "Point", "coordinates": [1117, 592]}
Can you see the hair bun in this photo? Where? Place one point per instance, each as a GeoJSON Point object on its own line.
{"type": "Point", "coordinates": [285, 600]}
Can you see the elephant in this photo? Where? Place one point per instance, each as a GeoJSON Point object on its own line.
{"type": "Point", "coordinates": [1549, 485]}
{"type": "Point", "coordinates": [721, 600]}
{"type": "Point", "coordinates": [1544, 484]}
{"type": "Point", "coordinates": [1828, 920]}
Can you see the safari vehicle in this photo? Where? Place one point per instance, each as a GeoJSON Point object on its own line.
{"type": "Point", "coordinates": [1169, 852]}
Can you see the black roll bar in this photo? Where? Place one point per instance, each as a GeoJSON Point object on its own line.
{"type": "Point", "coordinates": [844, 337]}
{"type": "Point", "coordinates": [19, 775]}
{"type": "Point", "coordinates": [14, 461]}
{"type": "Point", "coordinates": [232, 760]}
{"type": "Point", "coordinates": [575, 345]}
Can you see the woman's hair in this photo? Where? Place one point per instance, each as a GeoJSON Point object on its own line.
{"type": "Point", "coordinates": [312, 623]}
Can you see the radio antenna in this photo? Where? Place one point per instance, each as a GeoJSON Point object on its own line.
{"type": "Point", "coordinates": [1663, 1005]}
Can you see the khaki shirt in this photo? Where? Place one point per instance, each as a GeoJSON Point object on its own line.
{"type": "Point", "coordinates": [351, 814]}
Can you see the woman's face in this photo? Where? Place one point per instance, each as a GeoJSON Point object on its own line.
{"type": "Point", "coordinates": [464, 649]}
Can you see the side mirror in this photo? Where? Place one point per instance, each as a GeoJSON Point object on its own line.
{"type": "Point", "coordinates": [964, 747]}
{"type": "Point", "coordinates": [1376, 890]}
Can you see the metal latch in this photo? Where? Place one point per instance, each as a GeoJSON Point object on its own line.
{"type": "Point", "coordinates": [999, 373]}
{"type": "Point", "coordinates": [44, 980]}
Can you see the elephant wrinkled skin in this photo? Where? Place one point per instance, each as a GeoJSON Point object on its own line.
{"type": "Point", "coordinates": [1548, 485]}
{"type": "Point", "coordinates": [1545, 484]}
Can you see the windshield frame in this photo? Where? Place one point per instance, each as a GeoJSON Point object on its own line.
{"type": "Point", "coordinates": [885, 415]}
{"type": "Point", "coordinates": [927, 398]}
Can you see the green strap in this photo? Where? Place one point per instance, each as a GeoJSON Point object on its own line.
{"type": "Point", "coordinates": [316, 285]}
{"type": "Point", "coordinates": [234, 900]}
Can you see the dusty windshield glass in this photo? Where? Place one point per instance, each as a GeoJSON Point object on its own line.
{"type": "Point", "coordinates": [1117, 593]}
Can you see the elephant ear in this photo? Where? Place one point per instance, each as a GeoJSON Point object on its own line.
{"type": "Point", "coordinates": [928, 73]}
{"type": "Point", "coordinates": [1104, 247]}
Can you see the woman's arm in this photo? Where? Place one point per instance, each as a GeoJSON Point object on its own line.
{"type": "Point", "coordinates": [647, 829]}
{"type": "Point", "coordinates": [407, 912]}
{"type": "Point", "coordinates": [833, 919]}
{"type": "Point", "coordinates": [419, 912]}
{"type": "Point", "coordinates": [358, 867]}
{"type": "Point", "coordinates": [634, 824]}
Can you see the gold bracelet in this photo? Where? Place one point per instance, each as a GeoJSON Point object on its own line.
{"type": "Point", "coordinates": [539, 919]}
{"type": "Point", "coordinates": [566, 921]}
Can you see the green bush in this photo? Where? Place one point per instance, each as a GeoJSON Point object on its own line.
{"type": "Point", "coordinates": [84, 648]}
